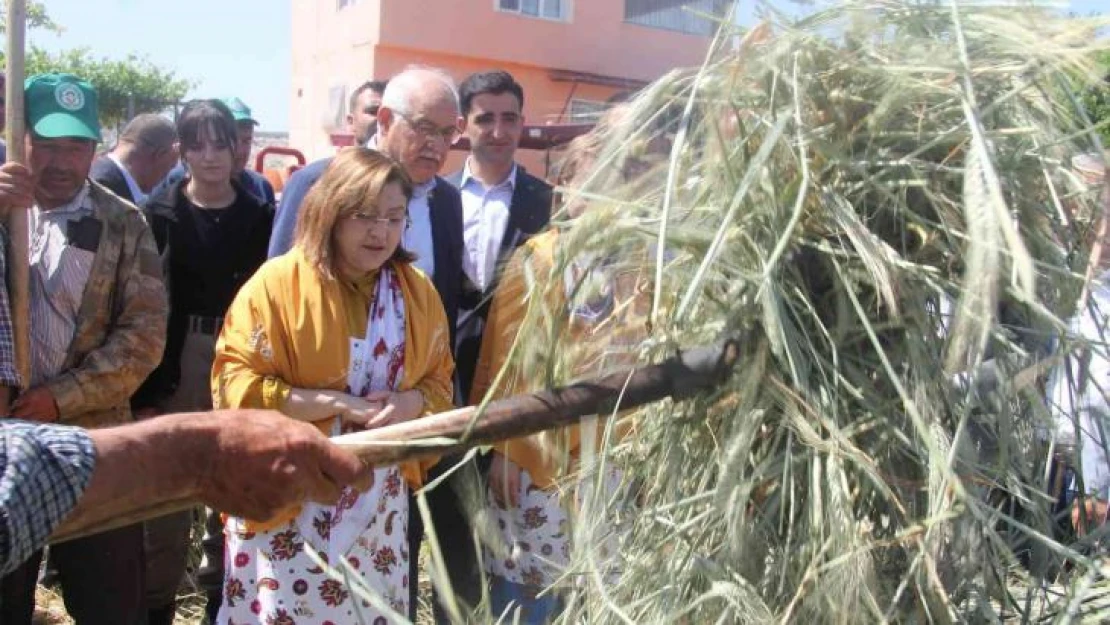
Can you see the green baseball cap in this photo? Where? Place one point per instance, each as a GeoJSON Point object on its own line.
{"type": "Point", "coordinates": [239, 110]}
{"type": "Point", "coordinates": [61, 106]}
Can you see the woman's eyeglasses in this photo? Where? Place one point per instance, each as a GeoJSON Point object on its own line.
{"type": "Point", "coordinates": [371, 219]}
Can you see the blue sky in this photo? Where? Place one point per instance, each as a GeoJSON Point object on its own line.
{"type": "Point", "coordinates": [227, 47]}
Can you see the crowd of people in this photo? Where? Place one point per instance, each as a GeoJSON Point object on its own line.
{"type": "Point", "coordinates": [168, 292]}
{"type": "Point", "coordinates": [191, 338]}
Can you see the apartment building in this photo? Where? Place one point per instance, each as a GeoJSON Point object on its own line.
{"type": "Point", "coordinates": [571, 56]}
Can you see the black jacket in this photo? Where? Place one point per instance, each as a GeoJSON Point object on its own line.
{"type": "Point", "coordinates": [169, 216]}
{"type": "Point", "coordinates": [529, 213]}
{"type": "Point", "coordinates": [105, 171]}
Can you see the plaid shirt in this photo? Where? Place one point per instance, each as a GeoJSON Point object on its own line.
{"type": "Point", "coordinates": [8, 374]}
{"type": "Point", "coordinates": [44, 469]}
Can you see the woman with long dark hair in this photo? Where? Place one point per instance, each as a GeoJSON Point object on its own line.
{"type": "Point", "coordinates": [212, 236]}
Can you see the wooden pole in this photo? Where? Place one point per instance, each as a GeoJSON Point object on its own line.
{"type": "Point", "coordinates": [19, 249]}
{"type": "Point", "coordinates": [683, 375]}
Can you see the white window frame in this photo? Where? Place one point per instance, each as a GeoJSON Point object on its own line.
{"type": "Point", "coordinates": [342, 4]}
{"type": "Point", "coordinates": [567, 7]}
{"type": "Point", "coordinates": [671, 27]}
{"type": "Point", "coordinates": [598, 109]}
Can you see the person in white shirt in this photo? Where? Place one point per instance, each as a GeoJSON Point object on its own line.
{"type": "Point", "coordinates": [503, 205]}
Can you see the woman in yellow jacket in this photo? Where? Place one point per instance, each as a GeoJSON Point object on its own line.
{"type": "Point", "coordinates": [596, 309]}
{"type": "Point", "coordinates": [345, 333]}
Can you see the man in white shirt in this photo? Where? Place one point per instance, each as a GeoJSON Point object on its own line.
{"type": "Point", "coordinates": [503, 205]}
{"type": "Point", "coordinates": [143, 156]}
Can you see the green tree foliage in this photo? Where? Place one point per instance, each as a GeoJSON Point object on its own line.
{"type": "Point", "coordinates": [1097, 100]}
{"type": "Point", "coordinates": [133, 84]}
{"type": "Point", "coordinates": [37, 17]}
{"type": "Point", "coordinates": [126, 86]}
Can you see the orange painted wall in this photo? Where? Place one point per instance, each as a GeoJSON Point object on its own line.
{"type": "Point", "coordinates": [595, 39]}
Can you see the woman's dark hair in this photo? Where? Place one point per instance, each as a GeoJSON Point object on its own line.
{"type": "Point", "coordinates": [213, 115]}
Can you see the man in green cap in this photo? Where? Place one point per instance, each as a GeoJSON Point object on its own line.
{"type": "Point", "coordinates": [245, 124]}
{"type": "Point", "coordinates": [251, 181]}
{"type": "Point", "coordinates": [98, 326]}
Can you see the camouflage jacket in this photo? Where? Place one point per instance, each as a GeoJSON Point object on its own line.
{"type": "Point", "coordinates": [121, 325]}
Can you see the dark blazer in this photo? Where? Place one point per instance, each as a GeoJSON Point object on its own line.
{"type": "Point", "coordinates": [447, 242]}
{"type": "Point", "coordinates": [447, 233]}
{"type": "Point", "coordinates": [529, 213]}
{"type": "Point", "coordinates": [107, 173]}
{"type": "Point", "coordinates": [166, 214]}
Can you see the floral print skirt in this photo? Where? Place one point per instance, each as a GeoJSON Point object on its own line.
{"type": "Point", "coordinates": [535, 536]}
{"type": "Point", "coordinates": [270, 578]}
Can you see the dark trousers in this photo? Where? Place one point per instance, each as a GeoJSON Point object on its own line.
{"type": "Point", "coordinates": [449, 505]}
{"type": "Point", "coordinates": [166, 549]}
{"type": "Point", "coordinates": [210, 577]}
{"type": "Point", "coordinates": [101, 578]}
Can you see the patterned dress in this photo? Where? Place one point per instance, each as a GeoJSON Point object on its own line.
{"type": "Point", "coordinates": [269, 575]}
{"type": "Point", "coordinates": [535, 536]}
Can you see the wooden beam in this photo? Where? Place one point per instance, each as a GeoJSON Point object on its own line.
{"type": "Point", "coordinates": [684, 375]}
{"type": "Point", "coordinates": [19, 249]}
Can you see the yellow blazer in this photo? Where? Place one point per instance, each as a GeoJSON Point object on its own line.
{"type": "Point", "coordinates": [545, 455]}
{"type": "Point", "coordinates": [290, 327]}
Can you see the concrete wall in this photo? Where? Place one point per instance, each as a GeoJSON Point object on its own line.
{"type": "Point", "coordinates": [330, 48]}
{"type": "Point", "coordinates": [595, 39]}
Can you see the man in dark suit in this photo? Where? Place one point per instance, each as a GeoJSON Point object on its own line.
{"type": "Point", "coordinates": [362, 122]}
{"type": "Point", "coordinates": [503, 205]}
{"type": "Point", "coordinates": [145, 152]}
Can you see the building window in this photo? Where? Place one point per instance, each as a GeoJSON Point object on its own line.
{"type": "Point", "coordinates": [585, 111]}
{"type": "Point", "coordinates": [687, 16]}
{"type": "Point", "coordinates": [336, 116]}
{"type": "Point", "coordinates": [339, 4]}
{"type": "Point", "coordinates": [547, 9]}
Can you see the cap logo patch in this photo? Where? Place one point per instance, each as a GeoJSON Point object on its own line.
{"type": "Point", "coordinates": [70, 97]}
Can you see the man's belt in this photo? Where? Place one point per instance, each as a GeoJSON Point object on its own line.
{"type": "Point", "coordinates": [205, 325]}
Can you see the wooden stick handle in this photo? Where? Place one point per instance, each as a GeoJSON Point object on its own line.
{"type": "Point", "coordinates": [18, 255]}
{"type": "Point", "coordinates": [683, 375]}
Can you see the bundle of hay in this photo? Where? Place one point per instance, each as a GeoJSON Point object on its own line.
{"type": "Point", "coordinates": [877, 200]}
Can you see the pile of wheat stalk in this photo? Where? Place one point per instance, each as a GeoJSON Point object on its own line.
{"type": "Point", "coordinates": [877, 201]}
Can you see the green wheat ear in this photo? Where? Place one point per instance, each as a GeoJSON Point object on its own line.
{"type": "Point", "coordinates": [878, 200]}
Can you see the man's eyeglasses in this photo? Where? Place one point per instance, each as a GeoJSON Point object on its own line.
{"type": "Point", "coordinates": [427, 130]}
{"type": "Point", "coordinates": [372, 219]}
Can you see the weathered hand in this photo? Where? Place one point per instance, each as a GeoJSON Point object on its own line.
{"type": "Point", "coordinates": [260, 462]}
{"type": "Point", "coordinates": [504, 481]}
{"type": "Point", "coordinates": [16, 187]}
{"type": "Point", "coordinates": [356, 409]}
{"type": "Point", "coordinates": [36, 404]}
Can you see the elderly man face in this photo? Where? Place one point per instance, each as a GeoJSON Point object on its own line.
{"type": "Point", "coordinates": [420, 136]}
{"type": "Point", "coordinates": [59, 167]}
